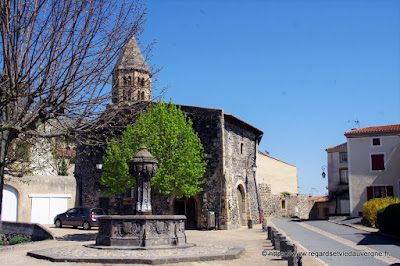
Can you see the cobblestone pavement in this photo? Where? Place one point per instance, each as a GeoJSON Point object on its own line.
{"type": "Point", "coordinates": [253, 240]}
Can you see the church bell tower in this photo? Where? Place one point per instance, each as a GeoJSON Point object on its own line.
{"type": "Point", "coordinates": [131, 76]}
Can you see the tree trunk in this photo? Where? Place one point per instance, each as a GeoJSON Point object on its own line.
{"type": "Point", "coordinates": [4, 144]}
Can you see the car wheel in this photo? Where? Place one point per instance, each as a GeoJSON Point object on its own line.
{"type": "Point", "coordinates": [86, 225]}
{"type": "Point", "coordinates": [58, 223]}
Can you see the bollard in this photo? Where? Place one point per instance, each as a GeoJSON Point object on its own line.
{"type": "Point", "coordinates": [288, 250]}
{"type": "Point", "coordinates": [285, 249]}
{"type": "Point", "coordinates": [274, 237]}
{"type": "Point", "coordinates": [269, 232]}
{"type": "Point", "coordinates": [250, 224]}
{"type": "Point", "coordinates": [282, 239]}
{"type": "Point", "coordinates": [299, 260]}
{"type": "Point", "coordinates": [278, 241]}
{"type": "Point", "coordinates": [292, 260]}
{"type": "Point", "coordinates": [264, 225]}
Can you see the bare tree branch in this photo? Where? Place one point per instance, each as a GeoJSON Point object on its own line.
{"type": "Point", "coordinates": [56, 60]}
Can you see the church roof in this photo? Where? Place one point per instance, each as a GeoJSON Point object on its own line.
{"type": "Point", "coordinates": [132, 57]}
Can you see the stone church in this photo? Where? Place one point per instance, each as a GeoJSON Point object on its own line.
{"type": "Point", "coordinates": [229, 198]}
{"type": "Point", "coordinates": [240, 182]}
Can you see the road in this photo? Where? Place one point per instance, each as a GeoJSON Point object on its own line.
{"type": "Point", "coordinates": [323, 238]}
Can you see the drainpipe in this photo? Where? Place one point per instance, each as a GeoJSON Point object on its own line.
{"type": "Point", "coordinates": [79, 179]}
{"type": "Point", "coordinates": [260, 210]}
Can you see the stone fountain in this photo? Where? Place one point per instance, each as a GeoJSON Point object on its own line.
{"type": "Point", "coordinates": [140, 238]}
{"type": "Point", "coordinates": [143, 230]}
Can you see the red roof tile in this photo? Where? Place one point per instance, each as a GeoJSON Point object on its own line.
{"type": "Point", "coordinates": [338, 148]}
{"type": "Point", "coordinates": [374, 131]}
{"type": "Point", "coordinates": [319, 199]}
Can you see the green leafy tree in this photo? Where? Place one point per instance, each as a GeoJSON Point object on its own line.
{"type": "Point", "coordinates": [169, 136]}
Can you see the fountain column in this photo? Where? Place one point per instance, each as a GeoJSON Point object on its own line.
{"type": "Point", "coordinates": [143, 167]}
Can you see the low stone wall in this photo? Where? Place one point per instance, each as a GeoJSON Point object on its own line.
{"type": "Point", "coordinates": [283, 205]}
{"type": "Point", "coordinates": [30, 232]}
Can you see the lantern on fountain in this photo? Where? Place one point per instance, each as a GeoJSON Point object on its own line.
{"type": "Point", "coordinates": [143, 167]}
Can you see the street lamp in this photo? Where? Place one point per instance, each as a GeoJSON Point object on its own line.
{"type": "Point", "coordinates": [99, 166]}
{"type": "Point", "coordinates": [254, 168]}
{"type": "Point", "coordinates": [260, 210]}
{"type": "Point", "coordinates": [323, 171]}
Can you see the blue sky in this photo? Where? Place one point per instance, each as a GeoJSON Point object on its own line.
{"type": "Point", "coordinates": [301, 71]}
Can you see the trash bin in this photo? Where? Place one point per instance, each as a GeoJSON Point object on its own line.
{"type": "Point", "coordinates": [250, 224]}
{"type": "Point", "coordinates": [211, 220]}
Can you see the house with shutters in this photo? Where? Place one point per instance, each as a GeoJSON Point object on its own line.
{"type": "Point", "coordinates": [338, 181]}
{"type": "Point", "coordinates": [373, 164]}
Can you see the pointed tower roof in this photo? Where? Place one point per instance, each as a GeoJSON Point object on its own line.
{"type": "Point", "coordinates": [132, 57]}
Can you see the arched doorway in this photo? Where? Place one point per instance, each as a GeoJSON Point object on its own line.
{"type": "Point", "coordinates": [10, 204]}
{"type": "Point", "coordinates": [187, 207]}
{"type": "Point", "coordinates": [241, 204]}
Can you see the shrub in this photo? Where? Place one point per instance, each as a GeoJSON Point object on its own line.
{"type": "Point", "coordinates": [16, 240]}
{"type": "Point", "coordinates": [372, 206]}
{"type": "Point", "coordinates": [388, 219]}
{"type": "Point", "coordinates": [1, 243]}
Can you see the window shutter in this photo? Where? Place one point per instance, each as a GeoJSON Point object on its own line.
{"type": "Point", "coordinates": [378, 162]}
{"type": "Point", "coordinates": [389, 190]}
{"type": "Point", "coordinates": [369, 193]}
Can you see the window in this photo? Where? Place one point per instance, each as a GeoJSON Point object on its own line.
{"type": "Point", "coordinates": [376, 142]}
{"type": "Point", "coordinates": [377, 162]}
{"type": "Point", "coordinates": [343, 157]}
{"type": "Point", "coordinates": [379, 191]}
{"type": "Point", "coordinates": [343, 173]}
{"type": "Point", "coordinates": [283, 204]}
{"type": "Point", "coordinates": [241, 148]}
{"type": "Point", "coordinates": [72, 211]}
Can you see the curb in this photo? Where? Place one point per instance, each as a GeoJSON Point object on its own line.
{"type": "Point", "coordinates": [296, 243]}
{"type": "Point", "coordinates": [355, 227]}
{"type": "Point", "coordinates": [379, 232]}
{"type": "Point", "coordinates": [232, 253]}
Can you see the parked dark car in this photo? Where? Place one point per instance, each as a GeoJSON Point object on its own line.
{"type": "Point", "coordinates": [79, 216]}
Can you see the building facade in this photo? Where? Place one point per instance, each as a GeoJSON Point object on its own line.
{"type": "Point", "coordinates": [338, 180]}
{"type": "Point", "coordinates": [374, 168]}
{"type": "Point", "coordinates": [278, 188]}
{"type": "Point", "coordinates": [229, 198]}
{"type": "Point", "coordinates": [41, 182]}
{"type": "Point", "coordinates": [281, 176]}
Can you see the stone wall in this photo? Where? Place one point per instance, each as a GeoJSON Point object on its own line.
{"type": "Point", "coordinates": [283, 205]}
{"type": "Point", "coordinates": [240, 150]}
{"type": "Point", "coordinates": [230, 146]}
{"type": "Point", "coordinates": [87, 175]}
{"type": "Point", "coordinates": [207, 122]}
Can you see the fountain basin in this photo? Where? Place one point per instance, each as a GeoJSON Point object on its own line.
{"type": "Point", "coordinates": [141, 231]}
